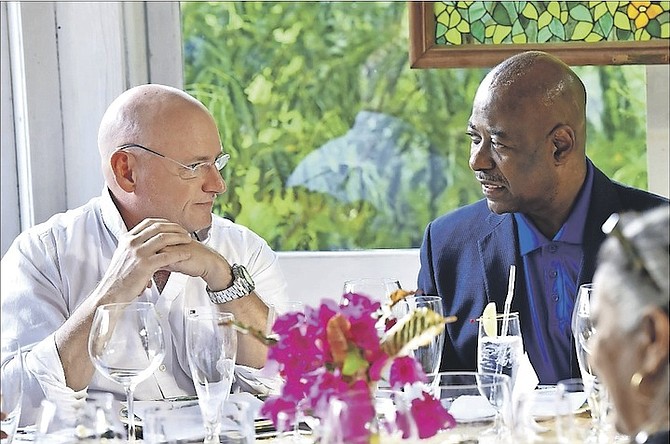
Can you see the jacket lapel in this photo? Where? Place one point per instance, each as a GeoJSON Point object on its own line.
{"type": "Point", "coordinates": [497, 251]}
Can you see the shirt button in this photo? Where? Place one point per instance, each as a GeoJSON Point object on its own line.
{"type": "Point", "coordinates": [162, 367]}
{"type": "Point", "coordinates": [555, 297]}
{"type": "Point", "coordinates": [553, 248]}
{"type": "Point", "coordinates": [553, 273]}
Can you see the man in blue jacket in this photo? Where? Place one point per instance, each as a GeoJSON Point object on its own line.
{"type": "Point", "coordinates": [544, 205]}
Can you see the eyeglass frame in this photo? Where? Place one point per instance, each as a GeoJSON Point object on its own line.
{"type": "Point", "coordinates": [612, 227]}
{"type": "Point", "coordinates": [219, 162]}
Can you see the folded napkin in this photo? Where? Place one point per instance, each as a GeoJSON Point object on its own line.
{"type": "Point", "coordinates": [264, 381]}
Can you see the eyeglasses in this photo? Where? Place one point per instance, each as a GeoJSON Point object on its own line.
{"type": "Point", "coordinates": [186, 172]}
{"type": "Point", "coordinates": [612, 227]}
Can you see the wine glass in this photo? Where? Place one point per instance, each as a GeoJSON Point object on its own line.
{"type": "Point", "coordinates": [211, 347]}
{"type": "Point", "coordinates": [497, 351]}
{"type": "Point", "coordinates": [378, 289]}
{"type": "Point", "coordinates": [429, 355]}
{"type": "Point", "coordinates": [480, 403]}
{"type": "Point", "coordinates": [582, 330]}
{"type": "Point", "coordinates": [126, 345]}
{"type": "Point", "coordinates": [11, 391]}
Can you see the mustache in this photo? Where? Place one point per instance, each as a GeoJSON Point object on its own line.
{"type": "Point", "coordinates": [484, 177]}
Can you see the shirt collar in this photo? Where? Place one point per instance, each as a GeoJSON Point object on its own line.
{"type": "Point", "coordinates": [110, 215]}
{"type": "Point", "coordinates": [572, 231]}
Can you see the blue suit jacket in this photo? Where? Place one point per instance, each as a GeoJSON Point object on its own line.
{"type": "Point", "coordinates": [466, 257]}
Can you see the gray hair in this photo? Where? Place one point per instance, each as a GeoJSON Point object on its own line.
{"type": "Point", "coordinates": [635, 283]}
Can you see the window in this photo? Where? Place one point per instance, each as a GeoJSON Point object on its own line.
{"type": "Point", "coordinates": [336, 143]}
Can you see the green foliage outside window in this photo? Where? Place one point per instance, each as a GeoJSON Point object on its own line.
{"type": "Point", "coordinates": [287, 79]}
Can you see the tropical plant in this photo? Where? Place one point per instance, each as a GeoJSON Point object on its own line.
{"type": "Point", "coordinates": [284, 79]}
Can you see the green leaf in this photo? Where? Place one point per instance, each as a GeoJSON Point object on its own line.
{"type": "Point", "coordinates": [530, 11]}
{"type": "Point", "coordinates": [556, 28]}
{"type": "Point", "coordinates": [621, 21]}
{"type": "Point", "coordinates": [580, 13]}
{"type": "Point", "coordinates": [582, 29]}
{"type": "Point", "coordinates": [544, 20]}
{"type": "Point", "coordinates": [476, 11]}
{"type": "Point", "coordinates": [500, 15]}
{"type": "Point", "coordinates": [354, 362]}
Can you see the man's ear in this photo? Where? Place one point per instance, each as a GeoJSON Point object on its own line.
{"type": "Point", "coordinates": [122, 164]}
{"type": "Point", "coordinates": [563, 141]}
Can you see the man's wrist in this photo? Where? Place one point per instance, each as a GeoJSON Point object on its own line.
{"type": "Point", "coordinates": [241, 286]}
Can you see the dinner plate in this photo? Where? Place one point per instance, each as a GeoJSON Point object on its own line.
{"type": "Point", "coordinates": [544, 402]}
{"type": "Point", "coordinates": [471, 408]}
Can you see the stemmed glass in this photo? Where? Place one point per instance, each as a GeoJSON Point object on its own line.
{"type": "Point", "coordinates": [582, 330]}
{"type": "Point", "coordinates": [429, 355]}
{"type": "Point", "coordinates": [480, 403]}
{"type": "Point", "coordinates": [378, 289]}
{"type": "Point", "coordinates": [126, 345]}
{"type": "Point", "coordinates": [211, 347]}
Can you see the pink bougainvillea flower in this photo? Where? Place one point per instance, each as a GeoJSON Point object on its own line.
{"type": "Point", "coordinates": [333, 352]}
{"type": "Point", "coordinates": [275, 405]}
{"type": "Point", "coordinates": [430, 416]}
{"type": "Point", "coordinates": [405, 370]}
{"type": "Point", "coordinates": [354, 413]}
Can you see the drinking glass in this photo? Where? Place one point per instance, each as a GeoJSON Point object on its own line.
{"type": "Point", "coordinates": [481, 404]}
{"type": "Point", "coordinates": [95, 419]}
{"type": "Point", "coordinates": [357, 419]}
{"type": "Point", "coordinates": [211, 347]}
{"type": "Point", "coordinates": [429, 355]}
{"type": "Point", "coordinates": [279, 308]}
{"type": "Point", "coordinates": [571, 396]}
{"type": "Point", "coordinates": [378, 289]}
{"type": "Point", "coordinates": [126, 345]}
{"type": "Point", "coordinates": [582, 330]}
{"type": "Point", "coordinates": [498, 353]}
{"type": "Point", "coordinates": [168, 424]}
{"type": "Point", "coordinates": [11, 391]}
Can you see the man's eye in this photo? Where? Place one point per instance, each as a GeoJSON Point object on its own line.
{"type": "Point", "coordinates": [195, 166]}
{"type": "Point", "coordinates": [474, 138]}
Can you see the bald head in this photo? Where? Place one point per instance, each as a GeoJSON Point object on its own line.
{"type": "Point", "coordinates": [143, 115]}
{"type": "Point", "coordinates": [541, 81]}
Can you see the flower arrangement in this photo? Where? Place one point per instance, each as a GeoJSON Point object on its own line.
{"type": "Point", "coordinates": [334, 351]}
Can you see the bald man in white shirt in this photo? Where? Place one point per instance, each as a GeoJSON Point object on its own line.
{"type": "Point", "coordinates": [150, 236]}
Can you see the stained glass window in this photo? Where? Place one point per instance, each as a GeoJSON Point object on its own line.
{"type": "Point", "coordinates": [472, 22]}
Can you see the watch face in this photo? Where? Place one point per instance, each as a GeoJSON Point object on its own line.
{"type": "Point", "coordinates": [244, 274]}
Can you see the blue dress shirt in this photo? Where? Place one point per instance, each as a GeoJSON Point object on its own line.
{"type": "Point", "coordinates": [551, 269]}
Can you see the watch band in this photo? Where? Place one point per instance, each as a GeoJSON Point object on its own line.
{"type": "Point", "coordinates": [242, 285]}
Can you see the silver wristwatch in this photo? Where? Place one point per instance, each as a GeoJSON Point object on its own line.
{"type": "Point", "coordinates": [242, 285]}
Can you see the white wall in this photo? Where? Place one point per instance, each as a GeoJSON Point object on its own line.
{"type": "Point", "coordinates": [313, 276]}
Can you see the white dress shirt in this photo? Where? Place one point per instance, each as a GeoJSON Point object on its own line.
{"type": "Point", "coordinates": [53, 267]}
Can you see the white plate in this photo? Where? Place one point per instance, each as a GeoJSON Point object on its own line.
{"type": "Point", "coordinates": [471, 408]}
{"type": "Point", "coordinates": [544, 402]}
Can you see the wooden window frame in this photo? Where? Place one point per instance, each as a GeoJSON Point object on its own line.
{"type": "Point", "coordinates": [425, 53]}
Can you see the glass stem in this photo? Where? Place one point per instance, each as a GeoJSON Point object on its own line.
{"type": "Point", "coordinates": [131, 413]}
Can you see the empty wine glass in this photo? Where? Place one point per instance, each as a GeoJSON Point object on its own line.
{"type": "Point", "coordinates": [211, 347]}
{"type": "Point", "coordinates": [582, 330]}
{"type": "Point", "coordinates": [481, 404]}
{"type": "Point", "coordinates": [429, 355]}
{"type": "Point", "coordinates": [11, 392]}
{"type": "Point", "coordinates": [378, 289]}
{"type": "Point", "coordinates": [126, 345]}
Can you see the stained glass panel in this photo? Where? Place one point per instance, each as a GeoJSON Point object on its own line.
{"type": "Point", "coordinates": [521, 22]}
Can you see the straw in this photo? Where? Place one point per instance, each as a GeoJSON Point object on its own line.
{"type": "Point", "coordinates": [508, 300]}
